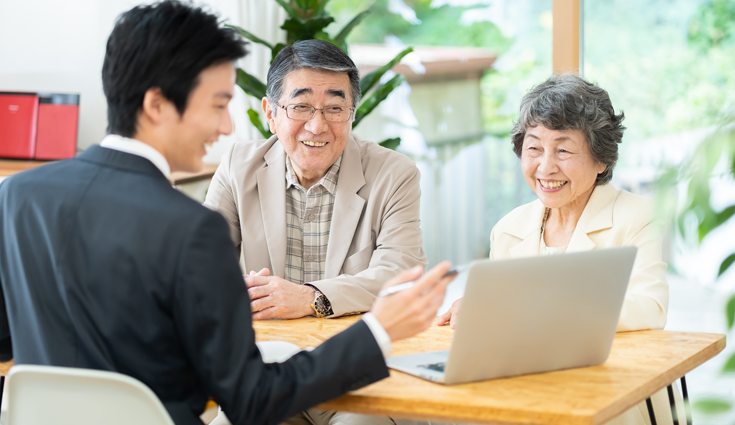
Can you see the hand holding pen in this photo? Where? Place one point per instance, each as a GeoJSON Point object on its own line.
{"type": "Point", "coordinates": [403, 286]}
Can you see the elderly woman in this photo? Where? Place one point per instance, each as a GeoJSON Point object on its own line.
{"type": "Point", "coordinates": [567, 138]}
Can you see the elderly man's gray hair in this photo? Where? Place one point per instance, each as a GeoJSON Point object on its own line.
{"type": "Point", "coordinates": [569, 102]}
{"type": "Point", "coordinates": [314, 54]}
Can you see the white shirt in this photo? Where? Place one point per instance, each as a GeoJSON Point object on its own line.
{"type": "Point", "coordinates": [136, 147]}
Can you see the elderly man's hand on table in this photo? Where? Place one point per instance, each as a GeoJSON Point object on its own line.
{"type": "Point", "coordinates": [272, 297]}
{"type": "Point", "coordinates": [408, 312]}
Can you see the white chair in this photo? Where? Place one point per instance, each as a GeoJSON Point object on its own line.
{"type": "Point", "coordinates": [43, 395]}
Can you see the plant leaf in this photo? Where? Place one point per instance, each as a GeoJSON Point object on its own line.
{"type": "Point", "coordinates": [325, 37]}
{"type": "Point", "coordinates": [391, 144]}
{"type": "Point", "coordinates": [250, 84]}
{"type": "Point", "coordinates": [277, 48]}
{"type": "Point", "coordinates": [374, 99]}
{"type": "Point", "coordinates": [297, 30]}
{"type": "Point", "coordinates": [257, 123]}
{"type": "Point", "coordinates": [341, 38]}
{"type": "Point", "coordinates": [725, 214]}
{"type": "Point", "coordinates": [725, 264]}
{"type": "Point", "coordinates": [368, 81]}
{"type": "Point", "coordinates": [290, 10]}
{"type": "Point", "coordinates": [730, 311]}
{"type": "Point", "coordinates": [250, 36]}
{"type": "Point", "coordinates": [729, 365]}
{"type": "Point", "coordinates": [310, 8]}
{"type": "Point", "coordinates": [321, 5]}
{"type": "Point", "coordinates": [712, 405]}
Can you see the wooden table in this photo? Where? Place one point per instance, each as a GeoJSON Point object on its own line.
{"type": "Point", "coordinates": [640, 364]}
{"type": "Point", "coordinates": [8, 167]}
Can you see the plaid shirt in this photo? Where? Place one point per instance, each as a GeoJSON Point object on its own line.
{"type": "Point", "coordinates": [308, 219]}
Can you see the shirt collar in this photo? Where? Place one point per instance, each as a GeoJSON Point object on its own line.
{"type": "Point", "coordinates": [136, 147]}
{"type": "Point", "coordinates": [329, 181]}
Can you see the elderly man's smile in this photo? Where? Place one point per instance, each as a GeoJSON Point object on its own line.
{"type": "Point", "coordinates": [314, 144]}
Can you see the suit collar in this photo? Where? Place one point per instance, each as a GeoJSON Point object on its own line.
{"type": "Point", "coordinates": [136, 147]}
{"type": "Point", "coordinates": [526, 226]}
{"type": "Point", "coordinates": [597, 215]}
{"type": "Point", "coordinates": [348, 206]}
{"type": "Point", "coordinates": [121, 160]}
{"type": "Point", "coordinates": [272, 195]}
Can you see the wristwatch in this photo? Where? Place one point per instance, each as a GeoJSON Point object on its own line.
{"type": "Point", "coordinates": [321, 305]}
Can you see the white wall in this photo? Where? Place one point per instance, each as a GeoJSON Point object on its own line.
{"type": "Point", "coordinates": [54, 45]}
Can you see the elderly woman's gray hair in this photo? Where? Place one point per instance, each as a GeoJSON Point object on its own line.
{"type": "Point", "coordinates": [569, 102]}
{"type": "Point", "coordinates": [314, 54]}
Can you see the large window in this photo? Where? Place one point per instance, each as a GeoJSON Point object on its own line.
{"type": "Point", "coordinates": [470, 179]}
{"type": "Point", "coordinates": [669, 66]}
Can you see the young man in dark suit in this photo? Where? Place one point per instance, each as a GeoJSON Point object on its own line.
{"type": "Point", "coordinates": [104, 265]}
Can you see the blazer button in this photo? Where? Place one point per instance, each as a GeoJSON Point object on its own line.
{"type": "Point", "coordinates": [310, 217]}
{"type": "Point", "coordinates": [310, 258]}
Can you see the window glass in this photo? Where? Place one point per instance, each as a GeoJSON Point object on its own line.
{"type": "Point", "coordinates": [456, 127]}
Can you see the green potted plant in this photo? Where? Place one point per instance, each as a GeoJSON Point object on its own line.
{"type": "Point", "coordinates": [308, 20]}
{"type": "Point", "coordinates": [714, 158]}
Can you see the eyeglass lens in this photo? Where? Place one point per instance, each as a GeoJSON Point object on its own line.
{"type": "Point", "coordinates": [331, 113]}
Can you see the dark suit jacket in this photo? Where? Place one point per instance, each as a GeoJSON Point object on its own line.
{"type": "Point", "coordinates": [105, 266]}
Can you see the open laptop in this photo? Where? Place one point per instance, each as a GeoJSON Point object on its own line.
{"type": "Point", "coordinates": [531, 315]}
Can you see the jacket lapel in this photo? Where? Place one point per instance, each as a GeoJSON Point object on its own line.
{"type": "Point", "coordinates": [527, 227]}
{"type": "Point", "coordinates": [597, 216]}
{"type": "Point", "coordinates": [348, 207]}
{"type": "Point", "coordinates": [272, 194]}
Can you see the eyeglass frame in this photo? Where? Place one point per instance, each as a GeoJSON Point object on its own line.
{"type": "Point", "coordinates": [313, 111]}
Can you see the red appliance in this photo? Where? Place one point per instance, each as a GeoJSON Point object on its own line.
{"type": "Point", "coordinates": [38, 125]}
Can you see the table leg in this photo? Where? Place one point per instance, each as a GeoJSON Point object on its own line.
{"type": "Point", "coordinates": [2, 388]}
{"type": "Point", "coordinates": [685, 393]}
{"type": "Point", "coordinates": [651, 414]}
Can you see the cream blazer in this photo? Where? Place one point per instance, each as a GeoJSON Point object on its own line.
{"type": "Point", "coordinates": [611, 218]}
{"type": "Point", "coordinates": [375, 230]}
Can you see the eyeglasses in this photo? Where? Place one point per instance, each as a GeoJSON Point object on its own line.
{"type": "Point", "coordinates": [306, 112]}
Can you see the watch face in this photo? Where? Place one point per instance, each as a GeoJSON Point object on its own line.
{"type": "Point", "coordinates": [322, 305]}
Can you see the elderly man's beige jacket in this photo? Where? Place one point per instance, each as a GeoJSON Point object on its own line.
{"type": "Point", "coordinates": [611, 218]}
{"type": "Point", "coordinates": [375, 230]}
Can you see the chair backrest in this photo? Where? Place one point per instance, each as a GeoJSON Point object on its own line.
{"type": "Point", "coordinates": [42, 395]}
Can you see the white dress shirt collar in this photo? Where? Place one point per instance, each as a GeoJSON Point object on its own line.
{"type": "Point", "coordinates": [136, 147]}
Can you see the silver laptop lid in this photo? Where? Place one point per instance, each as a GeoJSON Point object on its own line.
{"type": "Point", "coordinates": [538, 314]}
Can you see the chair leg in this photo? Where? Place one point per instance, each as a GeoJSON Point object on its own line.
{"type": "Point", "coordinates": [674, 414]}
{"type": "Point", "coordinates": [685, 394]}
{"type": "Point", "coordinates": [651, 414]}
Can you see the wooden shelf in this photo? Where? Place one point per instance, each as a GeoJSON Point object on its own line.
{"type": "Point", "coordinates": [207, 172]}
{"type": "Point", "coordinates": [9, 167]}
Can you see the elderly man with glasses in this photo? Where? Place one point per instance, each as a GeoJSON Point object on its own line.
{"type": "Point", "coordinates": [328, 217]}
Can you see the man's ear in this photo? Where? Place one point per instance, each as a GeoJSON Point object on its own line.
{"type": "Point", "coordinates": [155, 106]}
{"type": "Point", "coordinates": [269, 115]}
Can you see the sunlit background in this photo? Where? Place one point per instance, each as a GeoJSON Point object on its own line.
{"type": "Point", "coordinates": [668, 64]}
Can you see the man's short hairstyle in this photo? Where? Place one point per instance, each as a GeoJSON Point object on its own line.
{"type": "Point", "coordinates": [569, 102]}
{"type": "Point", "coordinates": [314, 54]}
{"type": "Point", "coordinates": [164, 45]}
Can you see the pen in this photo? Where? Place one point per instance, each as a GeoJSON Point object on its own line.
{"type": "Point", "coordinates": [402, 286]}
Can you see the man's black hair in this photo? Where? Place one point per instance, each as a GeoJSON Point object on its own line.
{"type": "Point", "coordinates": [165, 45]}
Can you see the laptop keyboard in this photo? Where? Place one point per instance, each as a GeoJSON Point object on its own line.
{"type": "Point", "coordinates": [439, 367]}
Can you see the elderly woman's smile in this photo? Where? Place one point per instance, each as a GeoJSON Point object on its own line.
{"type": "Point", "coordinates": [552, 185]}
